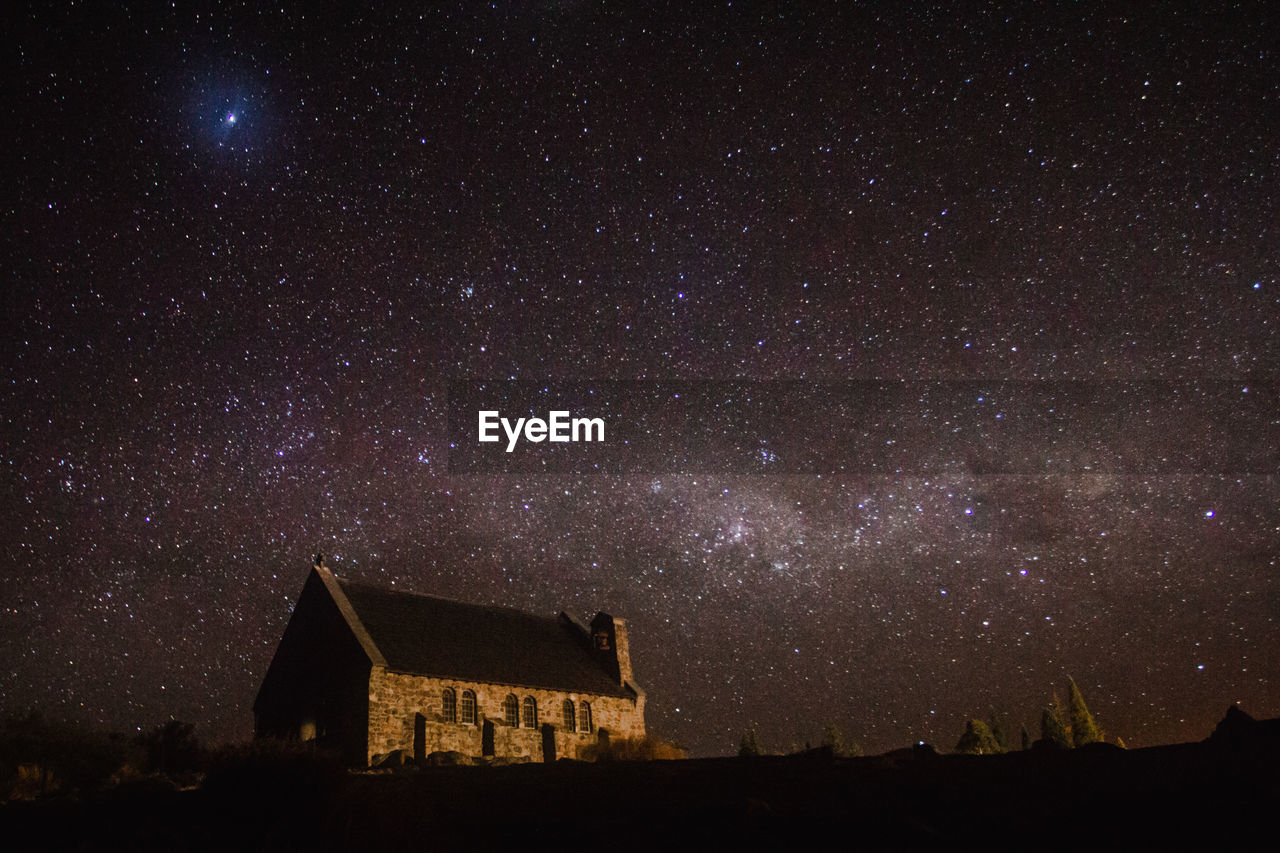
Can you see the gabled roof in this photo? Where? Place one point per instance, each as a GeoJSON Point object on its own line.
{"type": "Point", "coordinates": [439, 637]}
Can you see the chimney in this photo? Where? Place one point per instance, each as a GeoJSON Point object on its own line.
{"type": "Point", "coordinates": [609, 642]}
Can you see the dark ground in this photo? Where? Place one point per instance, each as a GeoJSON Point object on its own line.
{"type": "Point", "coordinates": [1191, 794]}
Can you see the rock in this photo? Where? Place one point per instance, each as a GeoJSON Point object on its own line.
{"type": "Point", "coordinates": [394, 758]}
{"type": "Point", "coordinates": [450, 758]}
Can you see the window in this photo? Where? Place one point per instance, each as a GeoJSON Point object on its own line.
{"type": "Point", "coordinates": [584, 717]}
{"type": "Point", "coordinates": [530, 713]}
{"type": "Point", "coordinates": [570, 717]}
{"type": "Point", "coordinates": [468, 708]}
{"type": "Point", "coordinates": [511, 711]}
{"type": "Point", "coordinates": [449, 705]}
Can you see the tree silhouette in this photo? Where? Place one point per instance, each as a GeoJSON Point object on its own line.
{"type": "Point", "coordinates": [832, 739]}
{"type": "Point", "coordinates": [1061, 713]}
{"type": "Point", "coordinates": [172, 747]}
{"type": "Point", "coordinates": [1052, 730]}
{"type": "Point", "coordinates": [999, 731]}
{"type": "Point", "coordinates": [978, 740]}
{"type": "Point", "coordinates": [1083, 728]}
{"type": "Point", "coordinates": [750, 746]}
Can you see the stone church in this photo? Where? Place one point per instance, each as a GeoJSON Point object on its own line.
{"type": "Point", "coordinates": [366, 671]}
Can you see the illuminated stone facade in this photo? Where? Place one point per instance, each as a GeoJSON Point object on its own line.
{"type": "Point", "coordinates": [375, 673]}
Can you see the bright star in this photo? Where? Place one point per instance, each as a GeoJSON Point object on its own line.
{"type": "Point", "coordinates": [231, 118]}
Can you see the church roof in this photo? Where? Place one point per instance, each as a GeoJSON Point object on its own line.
{"type": "Point", "coordinates": [439, 637]}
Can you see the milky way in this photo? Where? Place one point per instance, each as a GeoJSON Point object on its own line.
{"type": "Point", "coordinates": [247, 253]}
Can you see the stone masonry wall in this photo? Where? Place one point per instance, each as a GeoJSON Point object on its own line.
{"type": "Point", "coordinates": [395, 700]}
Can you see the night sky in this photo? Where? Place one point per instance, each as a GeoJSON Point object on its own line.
{"type": "Point", "coordinates": [247, 253]}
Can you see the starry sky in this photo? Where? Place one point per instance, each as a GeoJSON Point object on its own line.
{"type": "Point", "coordinates": [248, 251]}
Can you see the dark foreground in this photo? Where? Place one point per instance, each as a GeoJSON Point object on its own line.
{"type": "Point", "coordinates": [1185, 795]}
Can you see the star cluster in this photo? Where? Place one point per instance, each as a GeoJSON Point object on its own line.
{"type": "Point", "coordinates": [249, 250]}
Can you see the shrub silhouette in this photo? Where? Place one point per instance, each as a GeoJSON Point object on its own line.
{"type": "Point", "coordinates": [273, 771]}
{"type": "Point", "coordinates": [38, 756]}
{"type": "Point", "coordinates": [173, 749]}
{"type": "Point", "coordinates": [634, 749]}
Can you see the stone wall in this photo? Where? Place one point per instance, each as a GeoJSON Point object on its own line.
{"type": "Point", "coordinates": [396, 699]}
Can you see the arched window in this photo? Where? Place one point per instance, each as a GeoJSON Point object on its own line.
{"type": "Point", "coordinates": [530, 713]}
{"type": "Point", "coordinates": [584, 717]}
{"type": "Point", "coordinates": [449, 705]}
{"type": "Point", "coordinates": [467, 708]}
{"type": "Point", "coordinates": [570, 717]}
{"type": "Point", "coordinates": [511, 711]}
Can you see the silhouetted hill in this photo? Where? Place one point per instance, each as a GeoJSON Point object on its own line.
{"type": "Point", "coordinates": [1203, 792]}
